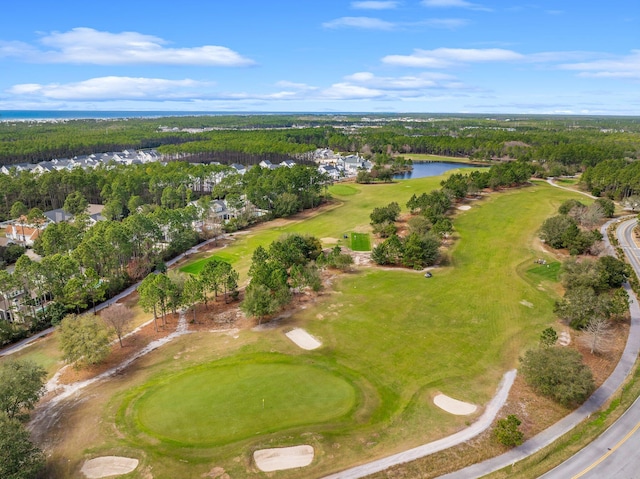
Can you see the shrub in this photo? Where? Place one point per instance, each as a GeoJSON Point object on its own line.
{"type": "Point", "coordinates": [507, 432]}
{"type": "Point", "coordinates": [558, 373]}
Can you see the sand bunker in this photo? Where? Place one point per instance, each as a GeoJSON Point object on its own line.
{"type": "Point", "coordinates": [108, 466]}
{"type": "Point", "coordinates": [453, 406]}
{"type": "Point", "coordinates": [303, 339]}
{"type": "Point", "coordinates": [281, 458]}
{"type": "Point", "coordinates": [464, 207]}
{"type": "Point", "coordinates": [565, 339]}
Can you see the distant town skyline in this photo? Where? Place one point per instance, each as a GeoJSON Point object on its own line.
{"type": "Point", "coordinates": [439, 56]}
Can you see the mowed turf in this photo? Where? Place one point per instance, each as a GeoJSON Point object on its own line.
{"type": "Point", "coordinates": [360, 242]}
{"type": "Point", "coordinates": [223, 404]}
{"type": "Point", "coordinates": [349, 212]}
{"type": "Point", "coordinates": [401, 337]}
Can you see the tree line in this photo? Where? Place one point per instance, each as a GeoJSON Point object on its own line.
{"type": "Point", "coordinates": [557, 145]}
{"type": "Point", "coordinates": [429, 221]}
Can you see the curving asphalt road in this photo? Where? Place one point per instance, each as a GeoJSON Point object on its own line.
{"type": "Point", "coordinates": [613, 454]}
{"type": "Point", "coordinates": [593, 404]}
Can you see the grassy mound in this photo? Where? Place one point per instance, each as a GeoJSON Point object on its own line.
{"type": "Point", "coordinates": [343, 190]}
{"type": "Point", "coordinates": [217, 404]}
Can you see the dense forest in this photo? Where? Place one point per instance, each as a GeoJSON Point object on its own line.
{"type": "Point", "coordinates": [562, 144]}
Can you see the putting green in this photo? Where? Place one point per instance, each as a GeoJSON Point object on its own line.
{"type": "Point", "coordinates": [211, 405]}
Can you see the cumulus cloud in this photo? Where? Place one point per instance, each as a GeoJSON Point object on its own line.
{"type": "Point", "coordinates": [446, 57]}
{"type": "Point", "coordinates": [113, 88]}
{"type": "Point", "coordinates": [365, 23]}
{"type": "Point", "coordinates": [88, 46]}
{"type": "Point", "coordinates": [374, 5]}
{"type": "Point", "coordinates": [454, 4]}
{"type": "Point", "coordinates": [366, 85]}
{"type": "Point", "coordinates": [623, 67]}
{"type": "Point", "coordinates": [349, 91]}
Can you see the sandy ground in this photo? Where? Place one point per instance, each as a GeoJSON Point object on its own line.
{"type": "Point", "coordinates": [453, 406]}
{"type": "Point", "coordinates": [329, 240]}
{"type": "Point", "coordinates": [303, 339]}
{"type": "Point", "coordinates": [108, 466]}
{"type": "Point", "coordinates": [281, 458]}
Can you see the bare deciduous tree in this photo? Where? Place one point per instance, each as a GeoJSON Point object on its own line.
{"type": "Point", "coordinates": [119, 318]}
{"type": "Point", "coordinates": [597, 336]}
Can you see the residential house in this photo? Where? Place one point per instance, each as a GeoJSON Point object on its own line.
{"type": "Point", "coordinates": [267, 164]}
{"type": "Point", "coordinates": [288, 163]}
{"type": "Point", "coordinates": [239, 168]}
{"type": "Point", "coordinates": [22, 233]}
{"type": "Point", "coordinates": [330, 170]}
{"type": "Point", "coordinates": [353, 163]}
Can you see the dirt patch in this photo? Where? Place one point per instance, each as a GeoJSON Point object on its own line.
{"type": "Point", "coordinates": [278, 459]}
{"type": "Point", "coordinates": [132, 345]}
{"type": "Point", "coordinates": [303, 339]}
{"type": "Point", "coordinates": [217, 473]}
{"type": "Point", "coordinates": [108, 466]}
{"type": "Point", "coordinates": [453, 406]}
{"type": "Point", "coordinates": [329, 240]}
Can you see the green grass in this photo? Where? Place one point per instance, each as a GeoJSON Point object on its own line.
{"type": "Point", "coordinates": [548, 272]}
{"type": "Point", "coordinates": [349, 213]}
{"type": "Point", "coordinates": [342, 190]}
{"type": "Point", "coordinates": [196, 266]}
{"type": "Point", "coordinates": [239, 400]}
{"type": "Point", "coordinates": [391, 340]}
{"type": "Point", "coordinates": [45, 352]}
{"type": "Point", "coordinates": [360, 242]}
{"type": "Point", "coordinates": [425, 157]}
{"type": "Point", "coordinates": [566, 181]}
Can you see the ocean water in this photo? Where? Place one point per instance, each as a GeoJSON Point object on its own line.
{"type": "Point", "coordinates": [24, 115]}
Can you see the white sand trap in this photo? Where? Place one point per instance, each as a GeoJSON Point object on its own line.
{"type": "Point", "coordinates": [303, 339]}
{"type": "Point", "coordinates": [108, 466]}
{"type": "Point", "coordinates": [464, 207]}
{"type": "Point", "coordinates": [281, 458]}
{"type": "Point", "coordinates": [453, 406]}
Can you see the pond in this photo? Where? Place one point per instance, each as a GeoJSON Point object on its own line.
{"type": "Point", "coordinates": [420, 170]}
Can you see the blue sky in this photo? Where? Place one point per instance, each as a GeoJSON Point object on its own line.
{"type": "Point", "coordinates": [458, 56]}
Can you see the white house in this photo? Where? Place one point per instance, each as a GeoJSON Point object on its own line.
{"type": "Point", "coordinates": [329, 170]}
{"type": "Point", "coordinates": [239, 168]}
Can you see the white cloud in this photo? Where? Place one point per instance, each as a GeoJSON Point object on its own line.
{"type": "Point", "coordinates": [410, 82]}
{"type": "Point", "coordinates": [623, 67]}
{"type": "Point", "coordinates": [374, 5]}
{"type": "Point", "coordinates": [445, 57]}
{"type": "Point", "coordinates": [348, 91]}
{"type": "Point", "coordinates": [366, 85]}
{"type": "Point", "coordinates": [454, 4]}
{"type": "Point", "coordinates": [88, 46]}
{"type": "Point", "coordinates": [366, 23]}
{"type": "Point", "coordinates": [113, 88]}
